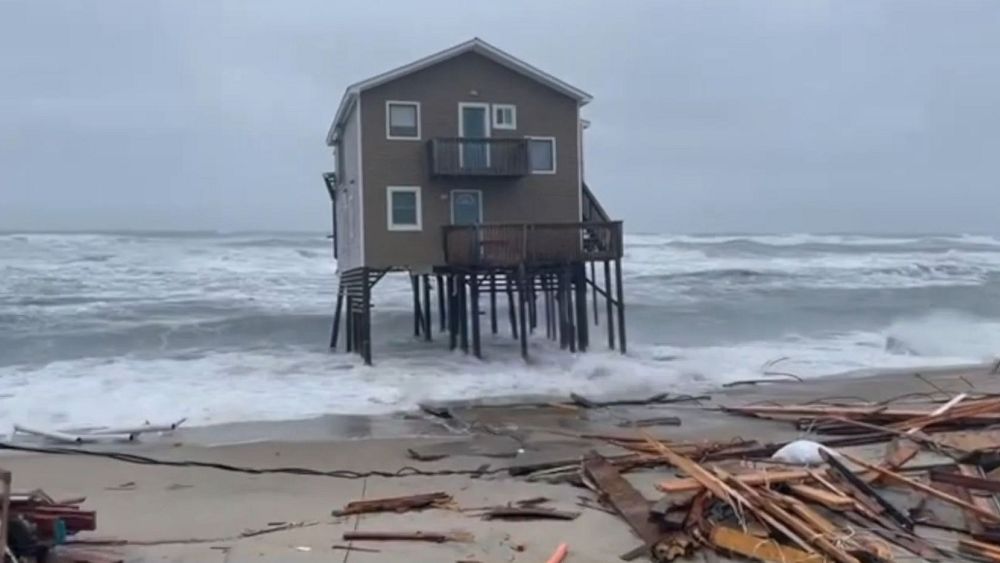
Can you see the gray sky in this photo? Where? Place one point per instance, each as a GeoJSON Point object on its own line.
{"type": "Point", "coordinates": [797, 115]}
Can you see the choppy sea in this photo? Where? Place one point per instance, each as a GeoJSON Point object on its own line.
{"type": "Point", "coordinates": [118, 328]}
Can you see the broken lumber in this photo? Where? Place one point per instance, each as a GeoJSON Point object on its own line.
{"type": "Point", "coordinates": [435, 537]}
{"type": "Point", "coordinates": [859, 484]}
{"type": "Point", "coordinates": [623, 497]}
{"type": "Point", "coordinates": [528, 513]}
{"type": "Point", "coordinates": [735, 541]}
{"type": "Point", "coordinates": [394, 504]}
{"type": "Point", "coordinates": [925, 488]}
{"type": "Point", "coordinates": [689, 484]}
{"type": "Point", "coordinates": [828, 499]}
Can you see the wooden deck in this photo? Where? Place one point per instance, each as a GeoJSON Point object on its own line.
{"type": "Point", "coordinates": [509, 245]}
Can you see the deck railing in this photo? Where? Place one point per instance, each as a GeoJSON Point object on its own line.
{"type": "Point", "coordinates": [478, 157]}
{"type": "Point", "coordinates": [511, 244]}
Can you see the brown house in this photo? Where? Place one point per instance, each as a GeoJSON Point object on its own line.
{"type": "Point", "coordinates": [465, 168]}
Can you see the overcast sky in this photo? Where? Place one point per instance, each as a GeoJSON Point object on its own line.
{"type": "Point", "coordinates": [797, 115]}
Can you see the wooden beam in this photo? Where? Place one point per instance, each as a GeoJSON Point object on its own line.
{"type": "Point", "coordinates": [923, 488]}
{"type": "Point", "coordinates": [760, 478]}
{"type": "Point", "coordinates": [734, 541]}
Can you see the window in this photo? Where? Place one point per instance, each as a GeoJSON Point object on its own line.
{"type": "Point", "coordinates": [403, 207]}
{"type": "Point", "coordinates": [402, 120]}
{"type": "Point", "coordinates": [504, 116]}
{"type": "Point", "coordinates": [542, 155]}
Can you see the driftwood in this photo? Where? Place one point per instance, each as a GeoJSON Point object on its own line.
{"type": "Point", "coordinates": [435, 537]}
{"type": "Point", "coordinates": [394, 504]}
{"type": "Point", "coordinates": [527, 513]}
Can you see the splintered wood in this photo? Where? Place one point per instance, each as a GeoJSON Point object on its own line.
{"type": "Point", "coordinates": [842, 510]}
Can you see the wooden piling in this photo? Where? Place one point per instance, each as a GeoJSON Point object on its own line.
{"type": "Point", "coordinates": [441, 299]}
{"type": "Point", "coordinates": [452, 313]}
{"type": "Point", "coordinates": [418, 320]}
{"type": "Point", "coordinates": [522, 297]}
{"type": "Point", "coordinates": [335, 330]}
{"type": "Point", "coordinates": [511, 311]}
{"type": "Point", "coordinates": [493, 303]}
{"type": "Point", "coordinates": [427, 308]}
{"type": "Point", "coordinates": [463, 311]}
{"type": "Point", "coordinates": [620, 297]}
{"type": "Point", "coordinates": [607, 301]}
{"type": "Point", "coordinates": [474, 310]}
{"type": "Point", "coordinates": [580, 286]}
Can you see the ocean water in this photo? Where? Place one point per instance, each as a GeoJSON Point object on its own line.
{"type": "Point", "coordinates": [119, 328]}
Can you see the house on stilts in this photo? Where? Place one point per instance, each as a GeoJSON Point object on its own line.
{"type": "Point", "coordinates": [465, 169]}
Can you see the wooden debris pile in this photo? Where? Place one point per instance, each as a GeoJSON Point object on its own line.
{"type": "Point", "coordinates": [734, 500]}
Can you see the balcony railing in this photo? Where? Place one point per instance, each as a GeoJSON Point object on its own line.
{"type": "Point", "coordinates": [478, 157]}
{"type": "Point", "coordinates": [511, 244]}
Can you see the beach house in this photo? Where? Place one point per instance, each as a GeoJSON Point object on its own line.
{"type": "Point", "coordinates": [465, 170]}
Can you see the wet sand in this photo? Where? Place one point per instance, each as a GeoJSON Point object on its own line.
{"type": "Point", "coordinates": [179, 504]}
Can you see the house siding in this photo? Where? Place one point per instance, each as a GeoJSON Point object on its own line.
{"type": "Point", "coordinates": [470, 77]}
{"type": "Point", "coordinates": [350, 242]}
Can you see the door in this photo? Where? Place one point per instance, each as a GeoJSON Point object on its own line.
{"type": "Point", "coordinates": [466, 207]}
{"type": "Point", "coordinates": [474, 128]}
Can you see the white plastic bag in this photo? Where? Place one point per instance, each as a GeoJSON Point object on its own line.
{"type": "Point", "coordinates": [800, 452]}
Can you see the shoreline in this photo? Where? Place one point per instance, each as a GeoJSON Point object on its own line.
{"type": "Point", "coordinates": [169, 513]}
{"type": "Point", "coordinates": [416, 424]}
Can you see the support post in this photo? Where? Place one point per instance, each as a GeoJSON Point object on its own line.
{"type": "Point", "coordinates": [522, 298]}
{"type": "Point", "coordinates": [349, 323]}
{"type": "Point", "coordinates": [452, 313]}
{"type": "Point", "coordinates": [493, 303]}
{"type": "Point", "coordinates": [474, 297]}
{"type": "Point", "coordinates": [607, 302]}
{"type": "Point", "coordinates": [463, 311]}
{"type": "Point", "coordinates": [580, 285]}
{"type": "Point", "coordinates": [417, 320]}
{"type": "Point", "coordinates": [511, 311]}
{"type": "Point", "coordinates": [570, 313]}
{"type": "Point", "coordinates": [335, 330]}
{"type": "Point", "coordinates": [366, 323]}
{"type": "Point", "coordinates": [593, 284]}
{"type": "Point", "coordinates": [441, 298]}
{"type": "Point", "coordinates": [427, 308]}
{"type": "Point", "coordinates": [620, 297]}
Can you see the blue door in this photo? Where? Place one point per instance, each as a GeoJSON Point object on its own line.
{"type": "Point", "coordinates": [475, 128]}
{"type": "Point", "coordinates": [466, 207]}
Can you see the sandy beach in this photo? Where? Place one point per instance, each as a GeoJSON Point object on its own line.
{"type": "Point", "coordinates": [199, 514]}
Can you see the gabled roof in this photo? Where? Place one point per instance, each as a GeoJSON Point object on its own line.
{"type": "Point", "coordinates": [475, 45]}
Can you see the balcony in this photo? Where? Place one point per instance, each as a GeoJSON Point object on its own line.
{"type": "Point", "coordinates": [466, 156]}
{"type": "Point", "coordinates": [511, 244]}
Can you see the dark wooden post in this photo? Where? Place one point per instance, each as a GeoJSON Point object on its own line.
{"type": "Point", "coordinates": [452, 313]}
{"type": "Point", "coordinates": [593, 286]}
{"type": "Point", "coordinates": [493, 303]}
{"type": "Point", "coordinates": [335, 330]}
{"type": "Point", "coordinates": [474, 297]}
{"type": "Point", "coordinates": [463, 311]}
{"type": "Point", "coordinates": [510, 306]}
{"type": "Point", "coordinates": [580, 284]}
{"type": "Point", "coordinates": [607, 301]}
{"type": "Point", "coordinates": [546, 303]}
{"type": "Point", "coordinates": [441, 299]}
{"type": "Point", "coordinates": [570, 313]}
{"type": "Point", "coordinates": [418, 321]}
{"type": "Point", "coordinates": [366, 323]}
{"type": "Point", "coordinates": [349, 323]}
{"type": "Point", "coordinates": [522, 298]}
{"type": "Point", "coordinates": [532, 308]}
{"type": "Point", "coordinates": [620, 295]}
{"type": "Point", "coordinates": [427, 308]}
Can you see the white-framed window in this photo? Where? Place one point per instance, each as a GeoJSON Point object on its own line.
{"type": "Point", "coordinates": [504, 116]}
{"type": "Point", "coordinates": [542, 155]}
{"type": "Point", "coordinates": [403, 208]}
{"type": "Point", "coordinates": [402, 121]}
